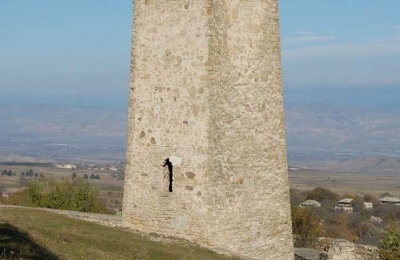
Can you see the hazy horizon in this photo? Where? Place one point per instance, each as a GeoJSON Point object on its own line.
{"type": "Point", "coordinates": [339, 96]}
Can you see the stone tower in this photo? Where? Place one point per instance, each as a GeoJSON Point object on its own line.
{"type": "Point", "coordinates": [206, 93]}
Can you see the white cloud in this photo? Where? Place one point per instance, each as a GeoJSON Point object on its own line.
{"type": "Point", "coordinates": [307, 39]}
{"type": "Point", "coordinates": [343, 51]}
{"type": "Point", "coordinates": [392, 39]}
{"type": "Point", "coordinates": [304, 33]}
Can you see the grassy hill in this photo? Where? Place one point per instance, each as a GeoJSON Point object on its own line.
{"type": "Point", "coordinates": [34, 234]}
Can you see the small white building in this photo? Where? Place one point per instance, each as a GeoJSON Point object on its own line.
{"type": "Point", "coordinates": [345, 205]}
{"type": "Point", "coordinates": [376, 220]}
{"type": "Point", "coordinates": [70, 166]}
{"type": "Point", "coordinates": [390, 200]}
{"type": "Point", "coordinates": [310, 203]}
{"type": "Point", "coordinates": [368, 205]}
{"type": "Point", "coordinates": [66, 166]}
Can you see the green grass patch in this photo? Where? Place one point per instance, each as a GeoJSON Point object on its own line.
{"type": "Point", "coordinates": [45, 235]}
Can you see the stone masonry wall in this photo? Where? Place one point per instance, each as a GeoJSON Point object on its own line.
{"type": "Point", "coordinates": [306, 254]}
{"type": "Point", "coordinates": [339, 249]}
{"type": "Point", "coordinates": [206, 91]}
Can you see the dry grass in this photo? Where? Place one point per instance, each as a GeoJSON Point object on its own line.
{"type": "Point", "coordinates": [57, 173]}
{"type": "Point", "coordinates": [110, 189]}
{"type": "Point", "coordinates": [345, 183]}
{"type": "Point", "coordinates": [52, 236]}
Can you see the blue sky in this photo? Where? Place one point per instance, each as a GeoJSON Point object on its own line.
{"type": "Point", "coordinates": [341, 43]}
{"type": "Point", "coordinates": [329, 49]}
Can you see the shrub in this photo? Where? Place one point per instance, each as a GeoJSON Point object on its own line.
{"type": "Point", "coordinates": [296, 197]}
{"type": "Point", "coordinates": [387, 212]}
{"type": "Point", "coordinates": [389, 248]}
{"type": "Point", "coordinates": [336, 225]}
{"type": "Point", "coordinates": [326, 197]}
{"type": "Point", "coordinates": [19, 198]}
{"type": "Point", "coordinates": [320, 194]}
{"type": "Point", "coordinates": [306, 227]}
{"type": "Point", "coordinates": [76, 195]}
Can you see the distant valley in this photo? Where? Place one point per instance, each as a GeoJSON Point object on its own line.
{"type": "Point", "coordinates": [319, 132]}
{"type": "Point", "coordinates": [342, 138]}
{"type": "Point", "coordinates": [42, 132]}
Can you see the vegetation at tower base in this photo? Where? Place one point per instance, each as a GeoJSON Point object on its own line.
{"type": "Point", "coordinates": [76, 195]}
{"type": "Point", "coordinates": [389, 247]}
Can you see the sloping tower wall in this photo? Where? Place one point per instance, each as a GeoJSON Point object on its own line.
{"type": "Point", "coordinates": [206, 92]}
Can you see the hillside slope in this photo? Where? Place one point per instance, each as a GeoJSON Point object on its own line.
{"type": "Point", "coordinates": [35, 234]}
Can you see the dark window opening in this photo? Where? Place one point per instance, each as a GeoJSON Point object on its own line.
{"type": "Point", "coordinates": [170, 166]}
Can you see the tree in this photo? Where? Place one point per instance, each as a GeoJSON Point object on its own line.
{"type": "Point", "coordinates": [357, 203]}
{"type": "Point", "coordinates": [389, 247]}
{"type": "Point", "coordinates": [326, 197]}
{"type": "Point", "coordinates": [321, 194]}
{"type": "Point", "coordinates": [369, 198]}
{"type": "Point", "coordinates": [77, 195]}
{"type": "Point", "coordinates": [74, 175]}
{"type": "Point", "coordinates": [306, 227]}
{"type": "Point", "coordinates": [7, 172]}
{"type": "Point", "coordinates": [387, 212]}
{"type": "Point", "coordinates": [385, 194]}
{"type": "Point", "coordinates": [85, 176]}
{"type": "Point", "coordinates": [296, 197]}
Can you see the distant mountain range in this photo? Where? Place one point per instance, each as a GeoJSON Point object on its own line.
{"type": "Point", "coordinates": [42, 132]}
{"type": "Point", "coordinates": [315, 132]}
{"type": "Point", "coordinates": [352, 130]}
